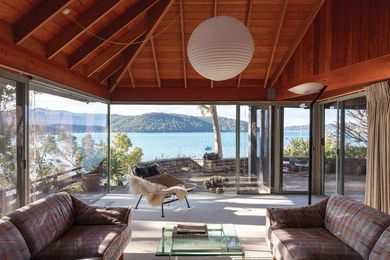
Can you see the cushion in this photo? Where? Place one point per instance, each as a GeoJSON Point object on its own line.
{"type": "Point", "coordinates": [165, 179]}
{"type": "Point", "coordinates": [356, 224]}
{"type": "Point", "coordinates": [146, 171]}
{"type": "Point", "coordinates": [87, 242]}
{"type": "Point", "coordinates": [43, 221]}
{"type": "Point", "coordinates": [381, 249]}
{"type": "Point", "coordinates": [12, 244]}
{"type": "Point", "coordinates": [304, 217]}
{"type": "Point", "coordinates": [85, 214]}
{"type": "Point", "coordinates": [309, 243]}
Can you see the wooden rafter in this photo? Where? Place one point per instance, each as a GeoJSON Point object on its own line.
{"type": "Point", "coordinates": [247, 23]}
{"type": "Point", "coordinates": [79, 26]}
{"type": "Point", "coordinates": [276, 41]}
{"type": "Point", "coordinates": [112, 68]}
{"type": "Point", "coordinates": [305, 25]}
{"type": "Point", "coordinates": [155, 62]}
{"type": "Point", "coordinates": [37, 18]}
{"type": "Point", "coordinates": [183, 43]}
{"type": "Point", "coordinates": [115, 49]}
{"type": "Point", "coordinates": [154, 20]}
{"type": "Point", "coordinates": [131, 78]}
{"type": "Point", "coordinates": [110, 31]}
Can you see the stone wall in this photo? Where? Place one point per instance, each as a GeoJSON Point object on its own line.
{"type": "Point", "coordinates": [224, 166]}
{"type": "Point", "coordinates": [175, 165]}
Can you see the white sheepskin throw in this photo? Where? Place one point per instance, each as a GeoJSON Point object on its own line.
{"type": "Point", "coordinates": [155, 193]}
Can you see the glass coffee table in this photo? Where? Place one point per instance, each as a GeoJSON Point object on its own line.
{"type": "Point", "coordinates": [221, 240]}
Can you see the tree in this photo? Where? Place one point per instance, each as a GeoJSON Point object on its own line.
{"type": "Point", "coordinates": [298, 146]}
{"type": "Point", "coordinates": [212, 110]}
{"type": "Point", "coordinates": [356, 127]}
{"type": "Point", "coordinates": [122, 159]}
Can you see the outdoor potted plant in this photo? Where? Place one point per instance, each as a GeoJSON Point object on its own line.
{"type": "Point", "coordinates": [91, 179]}
{"type": "Point", "coordinates": [215, 184]}
{"type": "Point", "coordinates": [210, 162]}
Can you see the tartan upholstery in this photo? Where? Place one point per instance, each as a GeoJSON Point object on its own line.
{"type": "Point", "coordinates": [12, 244]}
{"type": "Point", "coordinates": [63, 227]}
{"type": "Point", "coordinates": [303, 217]}
{"type": "Point", "coordinates": [356, 224]}
{"type": "Point", "coordinates": [381, 249]}
{"type": "Point", "coordinates": [85, 214]}
{"type": "Point", "coordinates": [43, 221]}
{"type": "Point", "coordinates": [309, 243]}
{"type": "Point", "coordinates": [83, 241]}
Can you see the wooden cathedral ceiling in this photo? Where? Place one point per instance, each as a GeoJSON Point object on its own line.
{"type": "Point", "coordinates": [143, 55]}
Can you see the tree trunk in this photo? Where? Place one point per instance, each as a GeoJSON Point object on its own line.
{"type": "Point", "coordinates": [216, 129]}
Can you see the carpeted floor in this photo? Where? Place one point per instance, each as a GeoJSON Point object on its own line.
{"type": "Point", "coordinates": [246, 212]}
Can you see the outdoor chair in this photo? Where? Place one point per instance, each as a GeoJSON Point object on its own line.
{"type": "Point", "coordinates": [160, 188]}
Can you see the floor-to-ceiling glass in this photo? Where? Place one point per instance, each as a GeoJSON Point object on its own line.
{"type": "Point", "coordinates": [263, 150]}
{"type": "Point", "coordinates": [295, 148]}
{"type": "Point", "coordinates": [67, 144]}
{"type": "Point", "coordinates": [330, 146]}
{"type": "Point", "coordinates": [8, 135]}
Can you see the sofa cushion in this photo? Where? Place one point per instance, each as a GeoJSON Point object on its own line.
{"type": "Point", "coordinates": [87, 242]}
{"type": "Point", "coordinates": [356, 224]}
{"type": "Point", "coordinates": [381, 249]}
{"type": "Point", "coordinates": [309, 243]}
{"type": "Point", "coordinates": [12, 244]}
{"type": "Point", "coordinates": [43, 221]}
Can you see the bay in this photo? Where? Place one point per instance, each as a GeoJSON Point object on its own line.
{"type": "Point", "coordinates": [172, 145]}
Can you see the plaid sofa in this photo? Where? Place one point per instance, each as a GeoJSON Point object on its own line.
{"type": "Point", "coordinates": [335, 228]}
{"type": "Point", "coordinates": [62, 227]}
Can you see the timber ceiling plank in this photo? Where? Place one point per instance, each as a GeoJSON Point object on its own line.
{"type": "Point", "coordinates": [37, 18]}
{"type": "Point", "coordinates": [301, 33]}
{"type": "Point", "coordinates": [80, 25]}
{"type": "Point", "coordinates": [183, 43]}
{"type": "Point", "coordinates": [108, 32]}
{"type": "Point", "coordinates": [154, 18]}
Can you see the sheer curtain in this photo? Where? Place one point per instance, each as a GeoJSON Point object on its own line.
{"type": "Point", "coordinates": [378, 150]}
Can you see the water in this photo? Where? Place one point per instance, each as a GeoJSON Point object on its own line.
{"type": "Point", "coordinates": [171, 145]}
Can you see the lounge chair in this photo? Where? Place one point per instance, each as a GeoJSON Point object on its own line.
{"type": "Point", "coordinates": [160, 188]}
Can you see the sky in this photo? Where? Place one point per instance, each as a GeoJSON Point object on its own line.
{"type": "Point", "coordinates": [293, 116]}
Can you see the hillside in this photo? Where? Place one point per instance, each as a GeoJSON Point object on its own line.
{"type": "Point", "coordinates": [146, 123]}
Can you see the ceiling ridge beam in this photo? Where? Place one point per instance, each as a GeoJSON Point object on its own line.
{"type": "Point", "coordinates": [37, 17]}
{"type": "Point", "coordinates": [114, 50]}
{"type": "Point", "coordinates": [276, 41]}
{"type": "Point", "coordinates": [247, 23]}
{"type": "Point", "coordinates": [81, 24]}
{"type": "Point", "coordinates": [305, 26]}
{"type": "Point", "coordinates": [183, 43]}
{"type": "Point", "coordinates": [108, 32]}
{"type": "Point", "coordinates": [155, 17]}
{"type": "Point", "coordinates": [155, 62]}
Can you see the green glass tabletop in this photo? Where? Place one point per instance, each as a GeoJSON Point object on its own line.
{"type": "Point", "coordinates": [221, 240]}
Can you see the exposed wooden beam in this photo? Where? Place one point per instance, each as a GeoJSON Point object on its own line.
{"type": "Point", "coordinates": [131, 78]}
{"type": "Point", "coordinates": [155, 62]}
{"type": "Point", "coordinates": [112, 68]}
{"type": "Point", "coordinates": [183, 43]}
{"type": "Point", "coordinates": [17, 58]}
{"type": "Point", "coordinates": [37, 18]}
{"type": "Point", "coordinates": [179, 94]}
{"type": "Point", "coordinates": [79, 26]}
{"type": "Point", "coordinates": [154, 19]}
{"type": "Point", "coordinates": [110, 31]}
{"type": "Point", "coordinates": [276, 41]}
{"type": "Point", "coordinates": [115, 49]}
{"type": "Point", "coordinates": [301, 33]}
{"type": "Point", "coordinates": [247, 23]}
{"type": "Point", "coordinates": [344, 79]}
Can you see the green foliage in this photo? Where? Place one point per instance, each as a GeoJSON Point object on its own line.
{"type": "Point", "coordinates": [357, 152]}
{"type": "Point", "coordinates": [298, 146]}
{"type": "Point", "coordinates": [122, 158]}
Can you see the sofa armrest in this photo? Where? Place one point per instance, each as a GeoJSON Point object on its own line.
{"type": "Point", "coordinates": [85, 214]}
{"type": "Point", "coordinates": [302, 217]}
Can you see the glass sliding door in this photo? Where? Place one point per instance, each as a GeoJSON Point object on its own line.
{"type": "Point", "coordinates": [8, 173]}
{"type": "Point", "coordinates": [295, 149]}
{"type": "Point", "coordinates": [263, 150]}
{"type": "Point", "coordinates": [345, 147]}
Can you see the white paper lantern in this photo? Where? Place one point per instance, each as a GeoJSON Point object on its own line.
{"type": "Point", "coordinates": [220, 48]}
